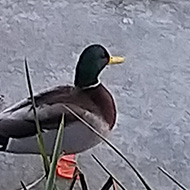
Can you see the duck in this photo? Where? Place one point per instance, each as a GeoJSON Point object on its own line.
{"type": "Point", "coordinates": [88, 98]}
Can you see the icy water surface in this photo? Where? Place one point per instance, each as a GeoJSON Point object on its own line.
{"type": "Point", "coordinates": [152, 88]}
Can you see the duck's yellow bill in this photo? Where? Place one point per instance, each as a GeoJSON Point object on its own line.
{"type": "Point", "coordinates": [116, 60]}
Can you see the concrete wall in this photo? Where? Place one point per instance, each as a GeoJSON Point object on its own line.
{"type": "Point", "coordinates": [151, 89]}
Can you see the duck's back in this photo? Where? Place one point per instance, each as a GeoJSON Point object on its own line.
{"type": "Point", "coordinates": [18, 129]}
{"type": "Point", "coordinates": [18, 121]}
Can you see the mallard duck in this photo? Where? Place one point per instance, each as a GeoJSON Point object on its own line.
{"type": "Point", "coordinates": [88, 98]}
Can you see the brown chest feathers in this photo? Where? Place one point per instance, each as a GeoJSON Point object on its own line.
{"type": "Point", "coordinates": [103, 99]}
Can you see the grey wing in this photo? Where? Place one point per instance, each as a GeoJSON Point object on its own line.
{"type": "Point", "coordinates": [44, 97]}
{"type": "Point", "coordinates": [20, 123]}
{"type": "Point", "coordinates": [18, 120]}
{"type": "Point", "coordinates": [76, 138]}
{"type": "Point", "coordinates": [17, 125]}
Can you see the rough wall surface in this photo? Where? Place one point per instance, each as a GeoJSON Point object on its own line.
{"type": "Point", "coordinates": [152, 88]}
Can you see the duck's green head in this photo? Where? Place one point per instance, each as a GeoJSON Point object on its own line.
{"type": "Point", "coordinates": [91, 62]}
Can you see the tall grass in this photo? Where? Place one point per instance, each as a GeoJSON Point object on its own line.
{"type": "Point", "coordinates": [112, 147]}
{"type": "Point", "coordinates": [56, 153]}
{"type": "Point", "coordinates": [172, 178]}
{"type": "Point", "coordinates": [108, 172]}
{"type": "Point", "coordinates": [50, 169]}
{"type": "Point", "coordinates": [39, 135]}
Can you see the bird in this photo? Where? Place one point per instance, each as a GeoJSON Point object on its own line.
{"type": "Point", "coordinates": [88, 98]}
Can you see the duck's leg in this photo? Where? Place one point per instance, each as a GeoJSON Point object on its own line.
{"type": "Point", "coordinates": [66, 166]}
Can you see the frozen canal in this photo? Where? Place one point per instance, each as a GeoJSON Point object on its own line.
{"type": "Point", "coordinates": [152, 88]}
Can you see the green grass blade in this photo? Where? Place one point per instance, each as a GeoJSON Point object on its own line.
{"type": "Point", "coordinates": [73, 182]}
{"type": "Point", "coordinates": [33, 184]}
{"type": "Point", "coordinates": [55, 188]}
{"type": "Point", "coordinates": [39, 135]}
{"type": "Point", "coordinates": [83, 181]}
{"type": "Point", "coordinates": [23, 185]}
{"type": "Point", "coordinates": [74, 178]}
{"type": "Point", "coordinates": [172, 178]}
{"type": "Point", "coordinates": [112, 146]}
{"type": "Point", "coordinates": [50, 184]}
{"type": "Point", "coordinates": [108, 184]}
{"type": "Point", "coordinates": [108, 172]}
